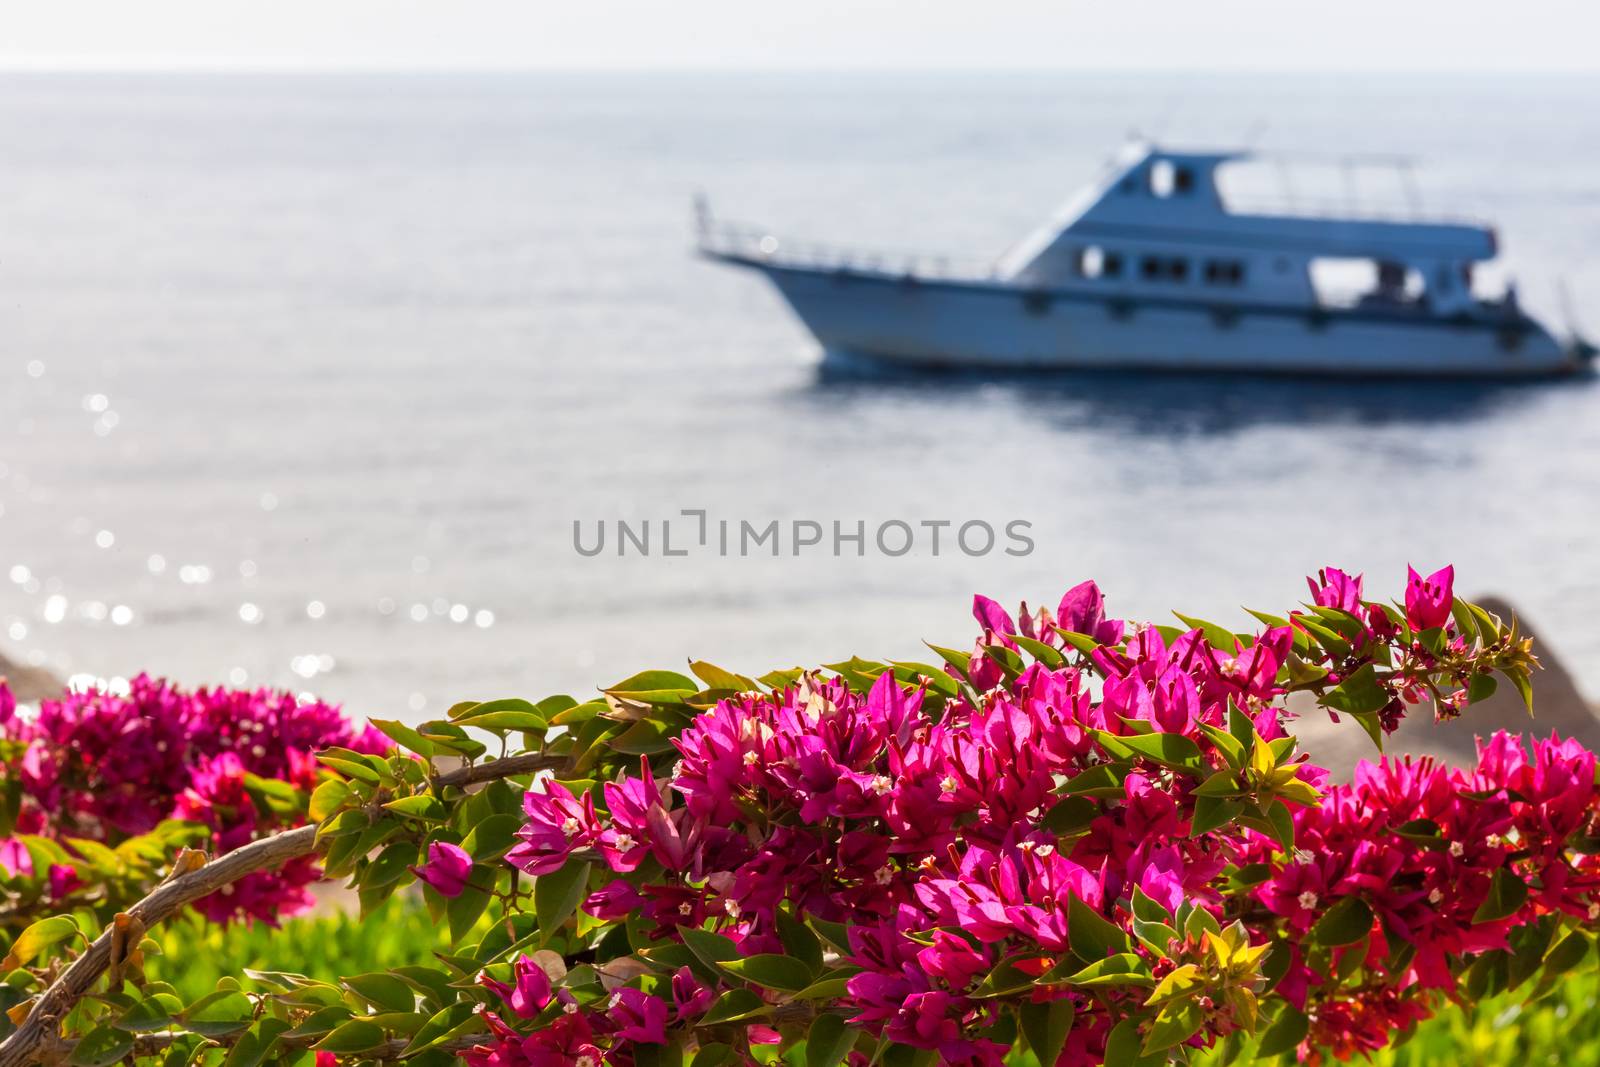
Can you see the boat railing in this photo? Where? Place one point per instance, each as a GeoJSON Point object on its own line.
{"type": "Point", "coordinates": [756, 244]}
{"type": "Point", "coordinates": [1293, 207]}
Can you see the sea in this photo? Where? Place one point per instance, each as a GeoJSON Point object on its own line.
{"type": "Point", "coordinates": [334, 382]}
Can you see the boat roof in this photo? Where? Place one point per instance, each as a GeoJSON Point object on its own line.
{"type": "Point", "coordinates": [1151, 194]}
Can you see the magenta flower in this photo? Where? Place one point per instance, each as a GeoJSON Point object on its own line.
{"type": "Point", "coordinates": [63, 879]}
{"type": "Point", "coordinates": [532, 991]}
{"type": "Point", "coordinates": [1428, 599]}
{"type": "Point", "coordinates": [690, 997]}
{"type": "Point", "coordinates": [1082, 611]}
{"type": "Point", "coordinates": [558, 825]}
{"type": "Point", "coordinates": [1333, 588]}
{"type": "Point", "coordinates": [639, 1016]}
{"type": "Point", "coordinates": [447, 869]}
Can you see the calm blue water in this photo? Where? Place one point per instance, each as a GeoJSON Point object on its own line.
{"type": "Point", "coordinates": [287, 361]}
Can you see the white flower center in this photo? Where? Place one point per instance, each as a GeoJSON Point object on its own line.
{"type": "Point", "coordinates": [751, 759]}
{"type": "Point", "coordinates": [882, 785]}
{"type": "Point", "coordinates": [1435, 895]}
{"type": "Point", "coordinates": [1457, 849]}
{"type": "Point", "coordinates": [884, 875]}
{"type": "Point", "coordinates": [732, 908]}
{"type": "Point", "coordinates": [570, 827]}
{"type": "Point", "coordinates": [686, 908]}
{"type": "Point", "coordinates": [1307, 900]}
{"type": "Point", "coordinates": [624, 842]}
{"type": "Point", "coordinates": [949, 784]}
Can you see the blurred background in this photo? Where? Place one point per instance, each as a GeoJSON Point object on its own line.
{"type": "Point", "coordinates": [318, 334]}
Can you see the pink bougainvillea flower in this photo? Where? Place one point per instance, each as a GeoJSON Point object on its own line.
{"type": "Point", "coordinates": [63, 880]}
{"type": "Point", "coordinates": [1333, 588]}
{"type": "Point", "coordinates": [639, 1016]}
{"type": "Point", "coordinates": [1428, 599]}
{"type": "Point", "coordinates": [1083, 611]}
{"type": "Point", "coordinates": [447, 868]}
{"type": "Point", "coordinates": [558, 825]}
{"type": "Point", "coordinates": [531, 991]}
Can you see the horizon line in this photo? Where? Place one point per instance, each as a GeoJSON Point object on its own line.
{"type": "Point", "coordinates": [89, 65]}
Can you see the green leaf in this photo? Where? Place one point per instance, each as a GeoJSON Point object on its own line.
{"type": "Point", "coordinates": [405, 737]}
{"type": "Point", "coordinates": [800, 942]}
{"type": "Point", "coordinates": [958, 660]}
{"type": "Point", "coordinates": [1481, 688]}
{"type": "Point", "coordinates": [1221, 784]}
{"type": "Point", "coordinates": [256, 1043]}
{"type": "Point", "coordinates": [1046, 1027]}
{"type": "Point", "coordinates": [1176, 1023]}
{"type": "Point", "coordinates": [422, 806]}
{"type": "Point", "coordinates": [357, 1035]}
{"type": "Point", "coordinates": [1122, 969]}
{"type": "Point", "coordinates": [1091, 935]}
{"type": "Point", "coordinates": [491, 837]}
{"type": "Point", "coordinates": [1101, 780]}
{"type": "Point", "coordinates": [1171, 750]}
{"type": "Point", "coordinates": [713, 1055]}
{"type": "Point", "coordinates": [734, 1005]}
{"type": "Point", "coordinates": [1050, 657]}
{"type": "Point", "coordinates": [463, 911]}
{"type": "Point", "coordinates": [717, 678]}
{"type": "Point", "coordinates": [1567, 954]}
{"type": "Point", "coordinates": [1211, 812]}
{"type": "Point", "coordinates": [1345, 923]}
{"type": "Point", "coordinates": [152, 1013]}
{"type": "Point", "coordinates": [227, 1011]}
{"type": "Point", "coordinates": [1218, 637]}
{"type": "Point", "coordinates": [383, 991]}
{"type": "Point", "coordinates": [1285, 1033]}
{"type": "Point", "coordinates": [1122, 1047]}
{"type": "Point", "coordinates": [503, 715]}
{"type": "Point", "coordinates": [1082, 642]}
{"type": "Point", "coordinates": [101, 1047]}
{"type": "Point", "coordinates": [1071, 815]}
{"type": "Point", "coordinates": [556, 897]}
{"type": "Point", "coordinates": [1507, 893]}
{"type": "Point", "coordinates": [1359, 693]}
{"type": "Point", "coordinates": [648, 681]}
{"type": "Point", "coordinates": [328, 798]}
{"type": "Point", "coordinates": [828, 1041]}
{"type": "Point", "coordinates": [40, 936]}
{"type": "Point", "coordinates": [459, 1018]}
{"type": "Point", "coordinates": [784, 973]}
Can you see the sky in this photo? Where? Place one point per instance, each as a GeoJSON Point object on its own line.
{"type": "Point", "coordinates": [1529, 36]}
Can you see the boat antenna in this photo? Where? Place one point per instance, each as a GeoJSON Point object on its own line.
{"type": "Point", "coordinates": [1576, 339]}
{"type": "Point", "coordinates": [702, 215]}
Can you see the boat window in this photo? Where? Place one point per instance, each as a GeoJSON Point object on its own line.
{"type": "Point", "coordinates": [1163, 269]}
{"type": "Point", "coordinates": [1224, 272]}
{"type": "Point", "coordinates": [1183, 180]}
{"type": "Point", "coordinates": [1096, 262]}
{"type": "Point", "coordinates": [1366, 283]}
{"type": "Point", "coordinates": [1163, 177]}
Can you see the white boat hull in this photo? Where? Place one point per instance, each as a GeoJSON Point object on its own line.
{"type": "Point", "coordinates": [982, 324]}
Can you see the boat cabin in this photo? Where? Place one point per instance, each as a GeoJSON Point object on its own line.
{"type": "Point", "coordinates": [1158, 225]}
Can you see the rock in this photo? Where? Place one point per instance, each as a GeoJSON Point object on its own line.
{"type": "Point", "coordinates": [30, 684]}
{"type": "Point", "coordinates": [1557, 705]}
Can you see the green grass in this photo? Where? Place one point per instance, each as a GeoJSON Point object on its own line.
{"type": "Point", "coordinates": [1562, 1029]}
{"type": "Point", "coordinates": [196, 953]}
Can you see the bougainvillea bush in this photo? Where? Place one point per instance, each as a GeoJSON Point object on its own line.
{"type": "Point", "coordinates": [1081, 841]}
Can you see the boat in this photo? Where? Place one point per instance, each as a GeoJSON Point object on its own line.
{"type": "Point", "coordinates": [1151, 269]}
